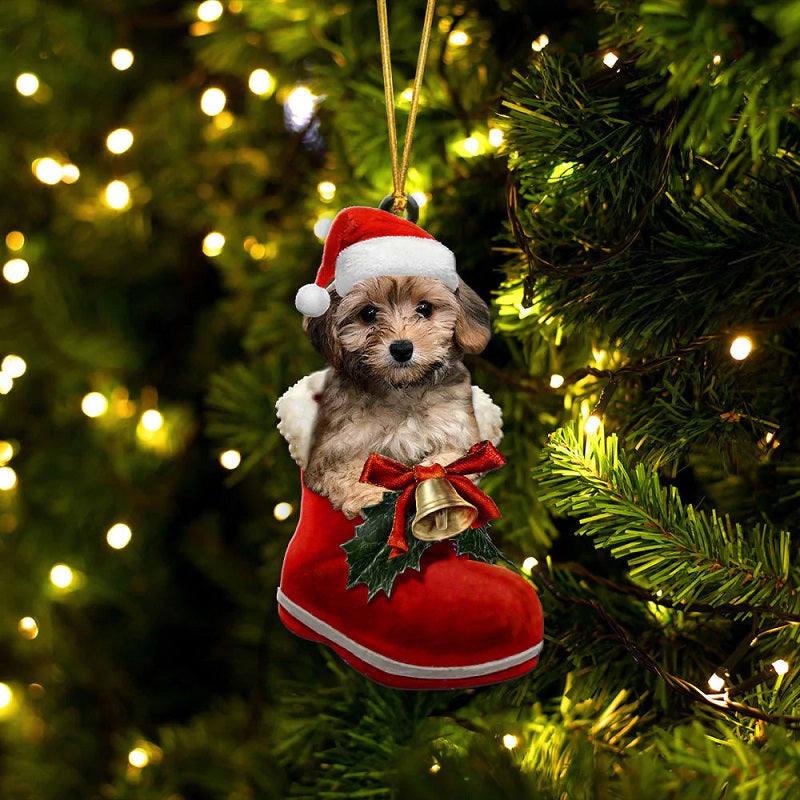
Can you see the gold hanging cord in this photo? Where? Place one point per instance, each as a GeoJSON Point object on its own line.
{"type": "Point", "coordinates": [399, 171]}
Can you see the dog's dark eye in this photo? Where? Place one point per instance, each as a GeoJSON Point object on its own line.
{"type": "Point", "coordinates": [424, 309]}
{"type": "Point", "coordinates": [368, 313]}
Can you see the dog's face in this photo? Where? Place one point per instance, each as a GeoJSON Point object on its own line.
{"type": "Point", "coordinates": [401, 331]}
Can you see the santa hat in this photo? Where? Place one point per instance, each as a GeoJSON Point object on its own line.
{"type": "Point", "coordinates": [367, 243]}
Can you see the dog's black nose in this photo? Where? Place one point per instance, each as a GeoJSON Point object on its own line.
{"type": "Point", "coordinates": [401, 350]}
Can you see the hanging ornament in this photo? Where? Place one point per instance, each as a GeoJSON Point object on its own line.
{"type": "Point", "coordinates": [391, 564]}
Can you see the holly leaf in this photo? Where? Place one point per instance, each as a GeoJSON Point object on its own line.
{"type": "Point", "coordinates": [477, 543]}
{"type": "Point", "coordinates": [368, 554]}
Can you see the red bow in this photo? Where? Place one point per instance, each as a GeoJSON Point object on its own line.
{"type": "Point", "coordinates": [390, 474]}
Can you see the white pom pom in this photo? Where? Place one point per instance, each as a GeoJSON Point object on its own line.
{"type": "Point", "coordinates": [312, 300]}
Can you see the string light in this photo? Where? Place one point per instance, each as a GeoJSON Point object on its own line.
{"type": "Point", "coordinates": [28, 627]}
{"type": "Point", "coordinates": [496, 137]}
{"type": "Point", "coordinates": [261, 82]}
{"type": "Point", "coordinates": [556, 381]}
{"type": "Point", "coordinates": [16, 270]}
{"type": "Point", "coordinates": [434, 768]}
{"type": "Point", "coordinates": [716, 682]}
{"type": "Point", "coordinates": [8, 479]}
{"type": "Point", "coordinates": [282, 511]}
{"type": "Point", "coordinates": [299, 107]}
{"type": "Point", "coordinates": [152, 420]}
{"type": "Point", "coordinates": [510, 741]}
{"type": "Point", "coordinates": [407, 94]}
{"type": "Point", "coordinates": [119, 140]}
{"type": "Point", "coordinates": [119, 536]}
{"type": "Point", "coordinates": [15, 240]}
{"type": "Point", "coordinates": [138, 758]}
{"type": "Point", "coordinates": [741, 347]}
{"type": "Point", "coordinates": [230, 459]}
{"type": "Point", "coordinates": [6, 383]}
{"type": "Point", "coordinates": [610, 59]}
{"type": "Point", "coordinates": [117, 195]}
{"type": "Point", "coordinates": [327, 190]}
{"type": "Point", "coordinates": [94, 404]}
{"type": "Point", "coordinates": [213, 243]}
{"type": "Point", "coordinates": [420, 198]}
{"type": "Point", "coordinates": [209, 11]}
{"type": "Point", "coordinates": [6, 452]}
{"type": "Point", "coordinates": [14, 366]}
{"type": "Point", "coordinates": [122, 59]}
{"type": "Point", "coordinates": [61, 576]}
{"type": "Point", "coordinates": [47, 170]}
{"type": "Point", "coordinates": [592, 424]}
{"type": "Point", "coordinates": [459, 38]}
{"type": "Point", "coordinates": [6, 695]}
{"type": "Point", "coordinates": [213, 101]}
{"type": "Point", "coordinates": [530, 564]}
{"type": "Point", "coordinates": [70, 173]}
{"type": "Point", "coordinates": [537, 45]}
{"type": "Point", "coordinates": [717, 60]}
{"type": "Point", "coordinates": [780, 666]}
{"type": "Point", "coordinates": [471, 145]}
{"type": "Point", "coordinates": [27, 84]}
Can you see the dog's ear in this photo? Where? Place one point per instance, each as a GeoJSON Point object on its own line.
{"type": "Point", "coordinates": [322, 334]}
{"type": "Point", "coordinates": [473, 327]}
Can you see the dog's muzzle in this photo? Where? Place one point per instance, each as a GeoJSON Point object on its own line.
{"type": "Point", "coordinates": [401, 350]}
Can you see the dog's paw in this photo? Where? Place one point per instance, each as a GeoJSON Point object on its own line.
{"type": "Point", "coordinates": [359, 498]}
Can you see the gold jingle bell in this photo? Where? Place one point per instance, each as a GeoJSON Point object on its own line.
{"type": "Point", "coordinates": [441, 511]}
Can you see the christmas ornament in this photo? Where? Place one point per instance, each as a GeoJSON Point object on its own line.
{"type": "Point", "coordinates": [403, 583]}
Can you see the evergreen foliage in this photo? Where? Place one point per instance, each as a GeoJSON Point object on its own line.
{"type": "Point", "coordinates": [639, 215]}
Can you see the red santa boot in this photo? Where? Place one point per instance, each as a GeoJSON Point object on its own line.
{"type": "Point", "coordinates": [456, 623]}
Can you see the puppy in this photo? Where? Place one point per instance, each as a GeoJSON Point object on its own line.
{"type": "Point", "coordinates": [398, 386]}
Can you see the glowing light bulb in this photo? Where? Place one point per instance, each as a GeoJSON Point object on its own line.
{"type": "Point", "coordinates": [459, 38]}
{"type": "Point", "coordinates": [741, 347]}
{"type": "Point", "coordinates": [14, 366]}
{"type": "Point", "coordinates": [15, 240]}
{"type": "Point", "coordinates": [529, 564]}
{"type": "Point", "coordinates": [213, 243]}
{"type": "Point", "coordinates": [122, 59]}
{"type": "Point", "coordinates": [8, 479]}
{"type": "Point", "coordinates": [610, 59]}
{"type": "Point", "coordinates": [117, 195]}
{"type": "Point", "coordinates": [496, 137]}
{"type": "Point", "coordinates": [261, 82]}
{"type": "Point", "coordinates": [327, 190]}
{"type": "Point", "coordinates": [94, 404]}
{"type": "Point", "coordinates": [6, 452]}
{"type": "Point", "coordinates": [28, 627]}
{"type": "Point", "coordinates": [592, 424]}
{"type": "Point", "coordinates": [119, 140]}
{"type": "Point", "coordinates": [420, 198]}
{"type": "Point", "coordinates": [16, 270]}
{"type": "Point", "coordinates": [230, 459]}
{"type": "Point", "coordinates": [6, 695]}
{"type": "Point", "coordinates": [471, 145]}
{"type": "Point", "coordinates": [537, 45]}
{"type": "Point", "coordinates": [717, 60]}
{"type": "Point", "coordinates": [61, 576]}
{"type": "Point", "coordinates": [210, 10]}
{"type": "Point", "coordinates": [6, 383]}
{"type": "Point", "coordinates": [321, 228]}
{"type": "Point", "coordinates": [138, 758]}
{"type": "Point", "coordinates": [434, 768]}
{"type": "Point", "coordinates": [27, 84]}
{"type": "Point", "coordinates": [282, 511]}
{"type": "Point", "coordinates": [70, 173]}
{"type": "Point", "coordinates": [119, 535]}
{"type": "Point", "coordinates": [47, 170]}
{"type": "Point", "coordinates": [407, 94]}
{"type": "Point", "coordinates": [780, 666]}
{"type": "Point", "coordinates": [152, 420]}
{"type": "Point", "coordinates": [213, 101]}
{"type": "Point", "coordinates": [556, 381]}
{"type": "Point", "coordinates": [716, 683]}
{"type": "Point", "coordinates": [299, 107]}
{"type": "Point", "coordinates": [510, 741]}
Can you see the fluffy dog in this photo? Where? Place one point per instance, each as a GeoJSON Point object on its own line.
{"type": "Point", "coordinates": [398, 386]}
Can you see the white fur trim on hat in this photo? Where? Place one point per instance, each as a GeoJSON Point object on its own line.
{"type": "Point", "coordinates": [312, 300]}
{"type": "Point", "coordinates": [297, 415]}
{"type": "Point", "coordinates": [394, 255]}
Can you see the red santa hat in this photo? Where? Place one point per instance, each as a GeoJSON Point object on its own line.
{"type": "Point", "coordinates": [367, 243]}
